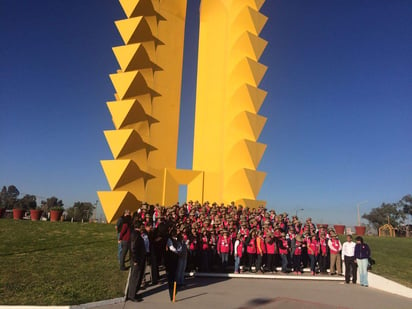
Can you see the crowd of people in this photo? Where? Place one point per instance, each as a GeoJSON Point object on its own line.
{"type": "Point", "coordinates": [212, 237]}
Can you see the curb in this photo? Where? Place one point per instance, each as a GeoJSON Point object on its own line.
{"type": "Point", "coordinates": [386, 285]}
{"type": "Point", "coordinates": [263, 276]}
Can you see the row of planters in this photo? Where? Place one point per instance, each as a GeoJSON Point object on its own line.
{"type": "Point", "coordinates": [35, 214]}
{"type": "Point", "coordinates": [56, 213]}
{"type": "Point", "coordinates": [340, 229]}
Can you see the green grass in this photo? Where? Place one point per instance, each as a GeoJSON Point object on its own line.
{"type": "Point", "coordinates": [393, 258]}
{"type": "Point", "coordinates": [54, 263]}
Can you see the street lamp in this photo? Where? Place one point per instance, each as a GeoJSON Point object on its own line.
{"type": "Point", "coordinates": [358, 206]}
{"type": "Point", "coordinates": [297, 210]}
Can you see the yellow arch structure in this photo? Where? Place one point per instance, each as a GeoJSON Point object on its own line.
{"type": "Point", "coordinates": [146, 108]}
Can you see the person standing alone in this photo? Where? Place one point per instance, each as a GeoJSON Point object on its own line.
{"type": "Point", "coordinates": [138, 262]}
{"type": "Point", "coordinates": [362, 255]}
{"type": "Point", "coordinates": [348, 257]}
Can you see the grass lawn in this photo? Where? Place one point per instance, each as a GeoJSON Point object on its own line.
{"type": "Point", "coordinates": [393, 258]}
{"type": "Point", "coordinates": [54, 263]}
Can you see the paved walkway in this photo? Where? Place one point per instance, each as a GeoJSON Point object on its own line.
{"type": "Point", "coordinates": [271, 293]}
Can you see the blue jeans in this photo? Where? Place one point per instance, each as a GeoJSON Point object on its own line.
{"type": "Point", "coordinates": [119, 248]}
{"type": "Point", "coordinates": [363, 271]}
{"type": "Point", "coordinates": [312, 262]}
{"type": "Point", "coordinates": [237, 263]}
{"type": "Point", "coordinates": [225, 259]}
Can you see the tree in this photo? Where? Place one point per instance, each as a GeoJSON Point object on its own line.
{"type": "Point", "coordinates": [27, 202]}
{"type": "Point", "coordinates": [80, 211]}
{"type": "Point", "coordinates": [50, 203]}
{"type": "Point", "coordinates": [406, 204]}
{"type": "Point", "coordinates": [379, 216]}
{"type": "Point", "coordinates": [8, 196]}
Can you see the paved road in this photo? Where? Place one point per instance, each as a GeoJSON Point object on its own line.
{"type": "Point", "coordinates": [206, 293]}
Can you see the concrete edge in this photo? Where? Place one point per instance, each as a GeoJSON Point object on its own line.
{"type": "Point", "coordinates": [33, 307]}
{"type": "Point", "coordinates": [99, 303]}
{"type": "Point", "coordinates": [386, 285]}
{"type": "Point", "coordinates": [290, 276]}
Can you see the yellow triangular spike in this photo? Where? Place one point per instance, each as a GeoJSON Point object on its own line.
{"type": "Point", "coordinates": [255, 179]}
{"type": "Point", "coordinates": [126, 112]}
{"type": "Point", "coordinates": [133, 8]}
{"type": "Point", "coordinates": [132, 57]}
{"type": "Point", "coordinates": [247, 126]}
{"type": "Point", "coordinates": [248, 98]}
{"type": "Point", "coordinates": [248, 71]}
{"type": "Point", "coordinates": [259, 20]}
{"type": "Point", "coordinates": [256, 123]}
{"type": "Point", "coordinates": [129, 84]}
{"type": "Point", "coordinates": [248, 20]}
{"type": "Point", "coordinates": [256, 151]}
{"type": "Point", "coordinates": [135, 30]}
{"type": "Point", "coordinates": [114, 203]}
{"type": "Point", "coordinates": [257, 69]}
{"type": "Point", "coordinates": [258, 45]}
{"type": "Point", "coordinates": [123, 142]}
{"type": "Point", "coordinates": [248, 45]}
{"type": "Point", "coordinates": [245, 154]}
{"type": "Point", "coordinates": [120, 172]}
{"type": "Point", "coordinates": [245, 183]}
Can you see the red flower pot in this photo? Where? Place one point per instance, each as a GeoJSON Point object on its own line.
{"type": "Point", "coordinates": [55, 215]}
{"type": "Point", "coordinates": [339, 229]}
{"type": "Point", "coordinates": [360, 230]}
{"type": "Point", "coordinates": [18, 214]}
{"type": "Point", "coordinates": [35, 214]}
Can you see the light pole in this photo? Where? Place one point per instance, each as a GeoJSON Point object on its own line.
{"type": "Point", "coordinates": [358, 207]}
{"type": "Point", "coordinates": [297, 210]}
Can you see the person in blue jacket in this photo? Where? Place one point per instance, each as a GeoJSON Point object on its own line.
{"type": "Point", "coordinates": [362, 254]}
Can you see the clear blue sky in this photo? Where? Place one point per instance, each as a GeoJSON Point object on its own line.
{"type": "Point", "coordinates": [339, 104]}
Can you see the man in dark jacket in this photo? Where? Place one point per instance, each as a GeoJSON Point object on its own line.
{"type": "Point", "coordinates": [138, 252]}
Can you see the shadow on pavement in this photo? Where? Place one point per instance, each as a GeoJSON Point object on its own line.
{"type": "Point", "coordinates": [191, 283]}
{"type": "Point", "coordinates": [284, 303]}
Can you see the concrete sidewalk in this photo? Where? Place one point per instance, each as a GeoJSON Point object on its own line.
{"type": "Point", "coordinates": [206, 293]}
{"type": "Point", "coordinates": [264, 291]}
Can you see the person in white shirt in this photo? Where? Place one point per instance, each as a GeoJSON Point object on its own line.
{"type": "Point", "coordinates": [348, 257]}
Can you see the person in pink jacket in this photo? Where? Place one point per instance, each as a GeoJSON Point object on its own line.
{"type": "Point", "coordinates": [224, 248]}
{"type": "Point", "coordinates": [313, 252]}
{"type": "Point", "coordinates": [335, 247]}
{"type": "Point", "coordinates": [270, 252]}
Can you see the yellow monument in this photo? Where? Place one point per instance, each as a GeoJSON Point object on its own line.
{"type": "Point", "coordinates": [146, 108]}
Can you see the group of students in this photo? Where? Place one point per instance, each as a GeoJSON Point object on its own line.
{"type": "Point", "coordinates": [211, 237]}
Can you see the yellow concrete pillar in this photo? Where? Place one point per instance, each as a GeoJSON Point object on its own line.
{"type": "Point", "coordinates": [227, 124]}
